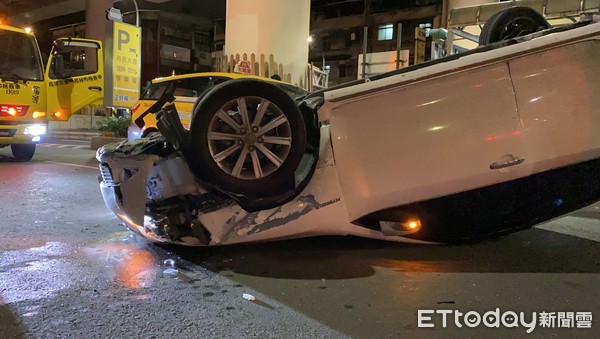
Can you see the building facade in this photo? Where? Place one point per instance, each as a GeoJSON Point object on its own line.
{"type": "Point", "coordinates": [171, 42]}
{"type": "Point", "coordinates": [337, 31]}
{"type": "Point", "coordinates": [178, 42]}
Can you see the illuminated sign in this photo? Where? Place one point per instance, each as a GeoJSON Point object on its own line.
{"type": "Point", "coordinates": [126, 62]}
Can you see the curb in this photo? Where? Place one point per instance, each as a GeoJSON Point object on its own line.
{"type": "Point", "coordinates": [72, 135]}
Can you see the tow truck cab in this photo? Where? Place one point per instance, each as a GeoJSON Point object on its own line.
{"type": "Point", "coordinates": [31, 96]}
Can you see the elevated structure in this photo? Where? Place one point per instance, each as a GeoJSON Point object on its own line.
{"type": "Point", "coordinates": [277, 27]}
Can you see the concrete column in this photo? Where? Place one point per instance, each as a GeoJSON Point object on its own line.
{"type": "Point", "coordinates": [95, 23]}
{"type": "Point", "coordinates": [278, 27]}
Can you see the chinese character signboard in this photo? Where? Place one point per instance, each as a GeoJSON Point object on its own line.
{"type": "Point", "coordinates": [123, 61]}
{"type": "Point", "coordinates": [420, 44]}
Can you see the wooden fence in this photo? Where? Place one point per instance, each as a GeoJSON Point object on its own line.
{"type": "Point", "coordinates": [264, 66]}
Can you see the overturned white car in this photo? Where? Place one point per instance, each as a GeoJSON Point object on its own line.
{"type": "Point", "coordinates": [489, 141]}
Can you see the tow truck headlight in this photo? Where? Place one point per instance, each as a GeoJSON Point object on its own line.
{"type": "Point", "coordinates": [35, 130]}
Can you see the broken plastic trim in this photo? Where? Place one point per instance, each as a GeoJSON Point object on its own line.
{"type": "Point", "coordinates": [166, 97]}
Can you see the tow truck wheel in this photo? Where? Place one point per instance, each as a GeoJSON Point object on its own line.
{"type": "Point", "coordinates": [23, 152]}
{"type": "Point", "coordinates": [511, 23]}
{"type": "Point", "coordinates": [247, 139]}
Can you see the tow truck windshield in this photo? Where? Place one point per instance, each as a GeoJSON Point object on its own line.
{"type": "Point", "coordinates": [19, 59]}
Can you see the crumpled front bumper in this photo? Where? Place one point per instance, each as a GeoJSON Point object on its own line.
{"type": "Point", "coordinates": [136, 173]}
{"type": "Point", "coordinates": [126, 197]}
{"type": "Point", "coordinates": [114, 203]}
{"type": "Point", "coordinates": [124, 169]}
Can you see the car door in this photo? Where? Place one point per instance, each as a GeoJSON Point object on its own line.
{"type": "Point", "coordinates": [557, 94]}
{"type": "Point", "coordinates": [72, 82]}
{"type": "Point", "coordinates": [416, 136]}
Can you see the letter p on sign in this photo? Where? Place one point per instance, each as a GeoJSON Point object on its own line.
{"type": "Point", "coordinates": [123, 39]}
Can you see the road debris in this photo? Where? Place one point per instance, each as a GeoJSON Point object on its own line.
{"type": "Point", "coordinates": [248, 297]}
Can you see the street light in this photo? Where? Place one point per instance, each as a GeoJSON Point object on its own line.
{"type": "Point", "coordinates": [137, 14]}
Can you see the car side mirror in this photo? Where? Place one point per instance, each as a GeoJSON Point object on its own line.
{"type": "Point", "coordinates": [59, 45]}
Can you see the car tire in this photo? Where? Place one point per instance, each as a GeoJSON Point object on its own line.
{"type": "Point", "coordinates": [510, 23]}
{"type": "Point", "coordinates": [23, 152]}
{"type": "Point", "coordinates": [239, 152]}
{"type": "Point", "coordinates": [148, 131]}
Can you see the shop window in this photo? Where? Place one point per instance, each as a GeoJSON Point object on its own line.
{"type": "Point", "coordinates": [343, 71]}
{"type": "Point", "coordinates": [386, 32]}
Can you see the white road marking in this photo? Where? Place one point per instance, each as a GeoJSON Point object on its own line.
{"type": "Point", "coordinates": [74, 165]}
{"type": "Point", "coordinates": [64, 146]}
{"type": "Point", "coordinates": [585, 228]}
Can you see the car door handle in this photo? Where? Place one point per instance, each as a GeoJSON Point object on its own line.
{"type": "Point", "coordinates": [95, 88]}
{"type": "Point", "coordinates": [514, 161]}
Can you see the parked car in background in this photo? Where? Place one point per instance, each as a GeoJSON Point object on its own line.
{"type": "Point", "coordinates": [187, 89]}
{"type": "Point", "coordinates": [482, 143]}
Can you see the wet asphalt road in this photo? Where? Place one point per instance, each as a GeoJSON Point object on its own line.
{"type": "Point", "coordinates": [69, 269]}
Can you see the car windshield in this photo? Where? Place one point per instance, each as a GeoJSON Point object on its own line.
{"type": "Point", "coordinates": [19, 57]}
{"type": "Point", "coordinates": [193, 88]}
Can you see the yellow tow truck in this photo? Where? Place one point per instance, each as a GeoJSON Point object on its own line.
{"type": "Point", "coordinates": [30, 95]}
